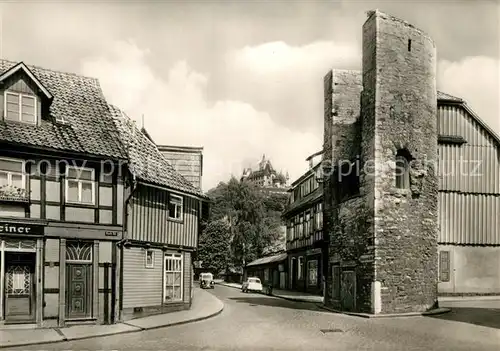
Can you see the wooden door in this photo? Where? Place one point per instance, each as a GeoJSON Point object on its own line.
{"type": "Point", "coordinates": [20, 288]}
{"type": "Point", "coordinates": [348, 291]}
{"type": "Point", "coordinates": [78, 290]}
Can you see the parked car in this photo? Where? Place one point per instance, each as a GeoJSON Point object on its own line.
{"type": "Point", "coordinates": [207, 281]}
{"type": "Point", "coordinates": [251, 284]}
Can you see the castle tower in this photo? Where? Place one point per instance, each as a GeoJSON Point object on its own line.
{"type": "Point", "coordinates": [399, 130]}
{"type": "Point", "coordinates": [380, 180]}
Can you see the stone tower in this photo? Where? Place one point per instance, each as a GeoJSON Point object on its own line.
{"type": "Point", "coordinates": [399, 107]}
{"type": "Point", "coordinates": [381, 204]}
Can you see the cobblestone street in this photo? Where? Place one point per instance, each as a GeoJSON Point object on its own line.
{"type": "Point", "coordinates": [258, 322]}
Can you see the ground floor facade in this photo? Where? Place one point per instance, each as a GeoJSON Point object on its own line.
{"type": "Point", "coordinates": [305, 270]}
{"type": "Point", "coordinates": [155, 280]}
{"type": "Point", "coordinates": [469, 270]}
{"type": "Point", "coordinates": [54, 274]}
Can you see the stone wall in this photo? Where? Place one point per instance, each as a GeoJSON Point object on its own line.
{"type": "Point", "coordinates": [386, 236]}
{"type": "Point", "coordinates": [400, 64]}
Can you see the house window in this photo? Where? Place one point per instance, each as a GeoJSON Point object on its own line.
{"type": "Point", "coordinates": [301, 226]}
{"type": "Point", "coordinates": [150, 259]}
{"type": "Point", "coordinates": [349, 181]}
{"type": "Point", "coordinates": [319, 216]}
{"type": "Point", "coordinates": [173, 277]}
{"type": "Point", "coordinates": [444, 266]}
{"type": "Point", "coordinates": [175, 207]}
{"type": "Point", "coordinates": [300, 266]}
{"type": "Point", "coordinates": [403, 159]}
{"type": "Point", "coordinates": [80, 185]}
{"type": "Point", "coordinates": [12, 173]}
{"type": "Point", "coordinates": [20, 107]}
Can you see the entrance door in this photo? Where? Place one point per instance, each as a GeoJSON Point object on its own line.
{"type": "Point", "coordinates": [79, 293]}
{"type": "Point", "coordinates": [294, 273]}
{"type": "Point", "coordinates": [20, 296]}
{"type": "Point", "coordinates": [348, 291]}
{"type": "Point", "coordinates": [78, 280]}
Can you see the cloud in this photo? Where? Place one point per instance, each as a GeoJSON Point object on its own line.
{"type": "Point", "coordinates": [476, 80]}
{"type": "Point", "coordinates": [287, 80]}
{"type": "Point", "coordinates": [177, 112]}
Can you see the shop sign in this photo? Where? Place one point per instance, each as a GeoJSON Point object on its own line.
{"type": "Point", "coordinates": [21, 229]}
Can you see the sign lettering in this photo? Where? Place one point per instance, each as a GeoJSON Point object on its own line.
{"type": "Point", "coordinates": [111, 233]}
{"type": "Point", "coordinates": [21, 228]}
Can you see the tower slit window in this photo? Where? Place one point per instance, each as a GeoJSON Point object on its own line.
{"type": "Point", "coordinates": [403, 159]}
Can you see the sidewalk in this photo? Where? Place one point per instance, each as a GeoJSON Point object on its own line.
{"type": "Point", "coordinates": [204, 306]}
{"type": "Point", "coordinates": [284, 294]}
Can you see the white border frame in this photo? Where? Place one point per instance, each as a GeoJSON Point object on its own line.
{"type": "Point", "coordinates": [167, 256]}
{"type": "Point", "coordinates": [93, 181]}
{"type": "Point", "coordinates": [152, 265]}
{"type": "Point", "coordinates": [23, 171]}
{"type": "Point", "coordinates": [181, 218]}
{"type": "Point", "coordinates": [20, 101]}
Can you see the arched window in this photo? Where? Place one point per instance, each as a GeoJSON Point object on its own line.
{"type": "Point", "coordinates": [403, 159]}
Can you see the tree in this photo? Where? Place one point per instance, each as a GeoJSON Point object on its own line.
{"type": "Point", "coordinates": [254, 218]}
{"type": "Point", "coordinates": [214, 249]}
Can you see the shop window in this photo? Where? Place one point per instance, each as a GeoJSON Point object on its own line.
{"type": "Point", "coordinates": [173, 277]}
{"type": "Point", "coordinates": [300, 268]}
{"type": "Point", "coordinates": [312, 269]}
{"type": "Point", "coordinates": [150, 258]}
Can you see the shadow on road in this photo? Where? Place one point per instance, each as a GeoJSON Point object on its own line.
{"type": "Point", "coordinates": [485, 317]}
{"type": "Point", "coordinates": [276, 302]}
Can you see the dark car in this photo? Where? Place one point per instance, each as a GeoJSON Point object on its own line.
{"type": "Point", "coordinates": [207, 281]}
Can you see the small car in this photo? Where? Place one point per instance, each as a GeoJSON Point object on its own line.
{"type": "Point", "coordinates": [251, 284]}
{"type": "Point", "coordinates": [207, 281]}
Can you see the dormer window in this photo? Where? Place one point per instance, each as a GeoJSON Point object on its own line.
{"type": "Point", "coordinates": [20, 107]}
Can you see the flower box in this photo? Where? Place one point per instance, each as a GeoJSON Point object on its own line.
{"type": "Point", "coordinates": [10, 193]}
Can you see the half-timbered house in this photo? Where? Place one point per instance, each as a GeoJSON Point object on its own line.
{"type": "Point", "coordinates": [162, 211]}
{"type": "Point", "coordinates": [305, 244]}
{"type": "Point", "coordinates": [61, 198]}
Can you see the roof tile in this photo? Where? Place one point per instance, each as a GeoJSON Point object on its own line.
{"type": "Point", "coordinates": [79, 102]}
{"type": "Point", "coordinates": [146, 162]}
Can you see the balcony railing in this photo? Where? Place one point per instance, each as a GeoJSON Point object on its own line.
{"type": "Point", "coordinates": [9, 193]}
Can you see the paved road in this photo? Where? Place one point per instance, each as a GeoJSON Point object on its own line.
{"type": "Point", "coordinates": [256, 322]}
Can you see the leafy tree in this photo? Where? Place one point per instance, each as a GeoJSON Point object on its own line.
{"type": "Point", "coordinates": [214, 249]}
{"type": "Point", "coordinates": [254, 219]}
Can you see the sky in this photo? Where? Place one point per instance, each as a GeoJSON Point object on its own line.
{"type": "Point", "coordinates": [243, 78]}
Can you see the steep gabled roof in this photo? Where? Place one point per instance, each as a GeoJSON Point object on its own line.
{"type": "Point", "coordinates": [22, 67]}
{"type": "Point", "coordinates": [79, 120]}
{"type": "Point", "coordinates": [450, 99]}
{"type": "Point", "coordinates": [146, 162]}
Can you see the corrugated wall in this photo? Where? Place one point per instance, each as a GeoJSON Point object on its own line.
{"type": "Point", "coordinates": [142, 287]}
{"type": "Point", "coordinates": [469, 184]}
{"type": "Point", "coordinates": [148, 219]}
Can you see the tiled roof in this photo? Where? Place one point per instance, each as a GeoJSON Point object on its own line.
{"type": "Point", "coordinates": [146, 162]}
{"type": "Point", "coordinates": [79, 102]}
{"type": "Point", "coordinates": [448, 97]}
{"type": "Point", "coordinates": [270, 259]}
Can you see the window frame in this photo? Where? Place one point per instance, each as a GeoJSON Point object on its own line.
{"type": "Point", "coordinates": [9, 173]}
{"type": "Point", "coordinates": [80, 181]}
{"type": "Point", "coordinates": [174, 257]}
{"type": "Point", "coordinates": [146, 252]}
{"type": "Point", "coordinates": [20, 104]}
{"type": "Point", "coordinates": [181, 218]}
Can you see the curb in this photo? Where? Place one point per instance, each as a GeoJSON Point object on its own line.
{"type": "Point", "coordinates": [138, 329]}
{"type": "Point", "coordinates": [434, 312]}
{"type": "Point", "coordinates": [278, 296]}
